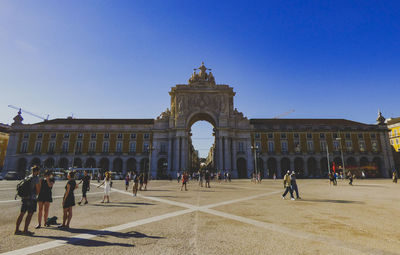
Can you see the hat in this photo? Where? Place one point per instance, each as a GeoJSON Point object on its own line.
{"type": "Point", "coordinates": [293, 172]}
{"type": "Point", "coordinates": [288, 172]}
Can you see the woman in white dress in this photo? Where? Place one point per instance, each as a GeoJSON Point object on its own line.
{"type": "Point", "coordinates": [107, 187]}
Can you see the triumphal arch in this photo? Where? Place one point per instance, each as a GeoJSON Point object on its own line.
{"type": "Point", "coordinates": [203, 99]}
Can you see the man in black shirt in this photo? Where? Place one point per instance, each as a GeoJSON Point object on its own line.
{"type": "Point", "coordinates": [85, 186]}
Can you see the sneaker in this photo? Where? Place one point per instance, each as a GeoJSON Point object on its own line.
{"type": "Point", "coordinates": [292, 198]}
{"type": "Point", "coordinates": [86, 202]}
{"type": "Point", "coordinates": [28, 233]}
{"type": "Point", "coordinates": [283, 197]}
{"type": "Point", "coordinates": [38, 226]}
{"type": "Point", "coordinates": [79, 203]}
{"type": "Point", "coordinates": [18, 232]}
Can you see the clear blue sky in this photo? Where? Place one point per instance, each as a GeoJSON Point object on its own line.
{"type": "Point", "coordinates": [118, 59]}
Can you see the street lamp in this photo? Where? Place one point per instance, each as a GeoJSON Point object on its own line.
{"type": "Point", "coordinates": [150, 151]}
{"type": "Point", "coordinates": [341, 152]}
{"type": "Point", "coordinates": [255, 148]}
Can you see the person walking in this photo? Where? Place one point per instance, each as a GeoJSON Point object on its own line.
{"type": "Point", "coordinates": [207, 176]}
{"type": "Point", "coordinates": [350, 175]}
{"type": "Point", "coordinates": [135, 183]}
{"type": "Point", "coordinates": [395, 176]}
{"type": "Point", "coordinates": [45, 197]}
{"type": "Point", "coordinates": [85, 187]}
{"type": "Point", "coordinates": [107, 187]}
{"type": "Point", "coordinates": [127, 179]}
{"type": "Point", "coordinates": [286, 186]}
{"type": "Point", "coordinates": [29, 202]}
{"type": "Point", "coordinates": [68, 200]}
{"type": "Point", "coordinates": [331, 179]}
{"type": "Point", "coordinates": [145, 180]}
{"type": "Point", "coordinates": [141, 181]}
{"type": "Point", "coordinates": [293, 184]}
{"type": "Point", "coordinates": [178, 176]}
{"type": "Point", "coordinates": [185, 178]}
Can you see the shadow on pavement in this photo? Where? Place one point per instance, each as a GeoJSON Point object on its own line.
{"type": "Point", "coordinates": [331, 201]}
{"type": "Point", "coordinates": [99, 233]}
{"type": "Point", "coordinates": [113, 205]}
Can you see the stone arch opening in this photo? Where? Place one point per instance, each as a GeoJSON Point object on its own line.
{"type": "Point", "coordinates": [285, 166]}
{"type": "Point", "coordinates": [22, 166]}
{"type": "Point", "coordinates": [241, 168]}
{"type": "Point", "coordinates": [299, 166]}
{"type": "Point", "coordinates": [272, 167]}
{"type": "Point", "coordinates": [63, 163]}
{"type": "Point", "coordinates": [36, 162]}
{"type": "Point", "coordinates": [312, 167]}
{"type": "Point", "coordinates": [117, 165]}
{"type": "Point", "coordinates": [144, 165]}
{"type": "Point", "coordinates": [324, 167]}
{"type": "Point", "coordinates": [104, 164]}
{"type": "Point", "coordinates": [162, 166]}
{"type": "Point", "coordinates": [131, 164]}
{"type": "Point", "coordinates": [77, 162]}
{"type": "Point", "coordinates": [90, 163]}
{"type": "Point", "coordinates": [201, 146]}
{"type": "Point", "coordinates": [49, 163]}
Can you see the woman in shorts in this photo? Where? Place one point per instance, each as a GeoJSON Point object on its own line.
{"type": "Point", "coordinates": [45, 197]}
{"type": "Point", "coordinates": [68, 200]}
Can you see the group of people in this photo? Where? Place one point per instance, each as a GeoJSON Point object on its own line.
{"type": "Point", "coordinates": [290, 185]}
{"type": "Point", "coordinates": [140, 181]}
{"type": "Point", "coordinates": [37, 192]}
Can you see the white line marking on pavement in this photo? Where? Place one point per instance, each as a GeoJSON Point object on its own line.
{"type": "Point", "coordinates": [8, 189]}
{"type": "Point", "coordinates": [55, 197]}
{"type": "Point", "coordinates": [90, 235]}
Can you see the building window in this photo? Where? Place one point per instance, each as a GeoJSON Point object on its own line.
{"type": "Point", "coordinates": [373, 136]}
{"type": "Point", "coordinates": [335, 135]}
{"type": "Point", "coordinates": [349, 146]}
{"type": "Point", "coordinates": [133, 136]}
{"type": "Point", "coordinates": [66, 136]}
{"type": "Point", "coordinates": [257, 135]}
{"type": "Point", "coordinates": [106, 135]}
{"type": "Point", "coordinates": [80, 135]}
{"type": "Point", "coordinates": [78, 147]}
{"type": "Point", "coordinates": [39, 136]}
{"type": "Point", "coordinates": [322, 135]}
{"type": "Point", "coordinates": [105, 146]}
{"type": "Point", "coordinates": [397, 141]}
{"type": "Point", "coordinates": [38, 147]}
{"type": "Point", "coordinates": [296, 135]}
{"type": "Point", "coordinates": [270, 135]}
{"type": "Point", "coordinates": [284, 146]}
{"type": "Point", "coordinates": [297, 147]}
{"type": "Point", "coordinates": [348, 136]}
{"type": "Point", "coordinates": [271, 146]}
{"type": "Point", "coordinates": [92, 146]}
{"type": "Point", "coordinates": [374, 146]}
{"type": "Point", "coordinates": [119, 136]}
{"type": "Point", "coordinates": [310, 146]}
{"type": "Point", "coordinates": [145, 147]}
{"type": "Point", "coordinates": [258, 146]}
{"type": "Point", "coordinates": [24, 147]}
{"type": "Point", "coordinates": [391, 142]}
{"type": "Point", "coordinates": [309, 136]}
{"type": "Point", "coordinates": [362, 146]}
{"type": "Point", "coordinates": [360, 136]}
{"type": "Point", "coordinates": [132, 147]}
{"type": "Point", "coordinates": [323, 145]}
{"type": "Point", "coordinates": [53, 135]}
{"type": "Point", "coordinates": [283, 135]}
{"type": "Point", "coordinates": [64, 147]}
{"type": "Point", "coordinates": [119, 147]}
{"type": "Point", "coordinates": [93, 136]}
{"type": "Point", "coordinates": [241, 147]}
{"type": "Point", "coordinates": [147, 136]}
{"type": "Point", "coordinates": [395, 132]}
{"type": "Point", "coordinates": [52, 145]}
{"type": "Point", "coordinates": [163, 147]}
{"type": "Point", "coordinates": [336, 145]}
{"type": "Point", "coordinates": [26, 135]}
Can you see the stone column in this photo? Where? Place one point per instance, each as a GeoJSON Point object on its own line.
{"type": "Point", "coordinates": [170, 156]}
{"type": "Point", "coordinates": [227, 153]}
{"type": "Point", "coordinates": [220, 153]}
{"type": "Point", "coordinates": [176, 154]}
{"type": "Point", "coordinates": [250, 157]}
{"type": "Point", "coordinates": [386, 151]}
{"type": "Point", "coordinates": [234, 166]}
{"type": "Point", "coordinates": [184, 153]}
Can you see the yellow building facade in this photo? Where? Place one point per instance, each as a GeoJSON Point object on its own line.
{"type": "Point", "coordinates": [4, 136]}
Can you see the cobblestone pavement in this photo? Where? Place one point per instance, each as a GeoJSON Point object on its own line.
{"type": "Point", "coordinates": [238, 217]}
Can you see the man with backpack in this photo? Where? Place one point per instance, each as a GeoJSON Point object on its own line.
{"type": "Point", "coordinates": [28, 189]}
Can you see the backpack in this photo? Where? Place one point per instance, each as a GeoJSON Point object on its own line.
{"type": "Point", "coordinates": [24, 188]}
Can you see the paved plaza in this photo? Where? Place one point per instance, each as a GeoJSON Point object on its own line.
{"type": "Point", "coordinates": [237, 217]}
